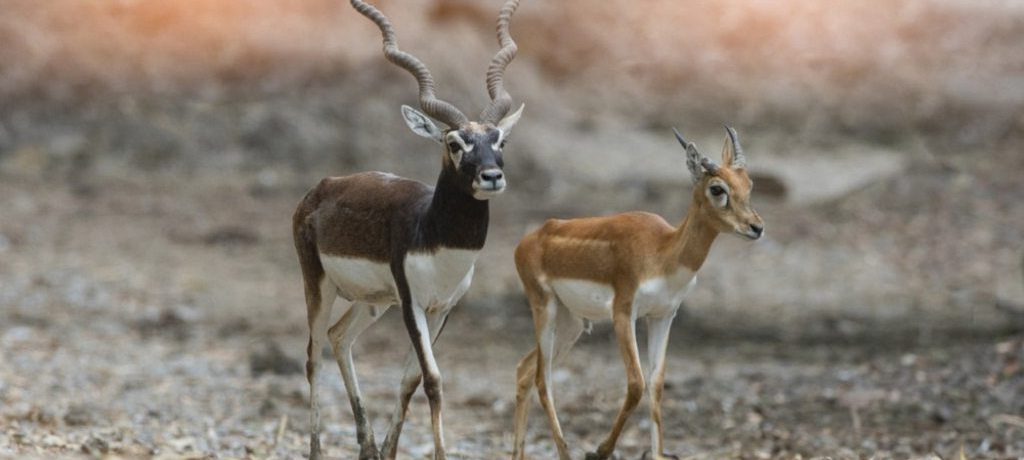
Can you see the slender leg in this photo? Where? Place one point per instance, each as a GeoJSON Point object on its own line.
{"type": "Point", "coordinates": [526, 372]}
{"type": "Point", "coordinates": [657, 342]}
{"type": "Point", "coordinates": [545, 327]}
{"type": "Point", "coordinates": [342, 335]}
{"type": "Point", "coordinates": [319, 301]}
{"type": "Point", "coordinates": [625, 332]}
{"type": "Point", "coordinates": [568, 328]}
{"type": "Point", "coordinates": [410, 381]}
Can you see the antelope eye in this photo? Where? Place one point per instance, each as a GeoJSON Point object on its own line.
{"type": "Point", "coordinates": [717, 190]}
{"type": "Point", "coordinates": [503, 143]}
{"type": "Point", "coordinates": [453, 147]}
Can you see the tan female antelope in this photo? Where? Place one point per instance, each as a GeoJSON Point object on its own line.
{"type": "Point", "coordinates": [624, 267]}
{"type": "Point", "coordinates": [376, 240]}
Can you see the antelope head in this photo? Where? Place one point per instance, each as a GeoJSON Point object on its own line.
{"type": "Point", "coordinates": [722, 192]}
{"type": "Point", "coordinates": [472, 149]}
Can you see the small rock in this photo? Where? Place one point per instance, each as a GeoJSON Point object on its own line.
{"type": "Point", "coordinates": [182, 445]}
{"type": "Point", "coordinates": [79, 414]}
{"type": "Point", "coordinates": [95, 446]}
{"type": "Point", "coordinates": [168, 323]}
{"type": "Point", "coordinates": [51, 440]}
{"type": "Point", "coordinates": [273, 360]}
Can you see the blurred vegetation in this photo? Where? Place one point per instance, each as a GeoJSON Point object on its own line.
{"type": "Point", "coordinates": [158, 81]}
{"type": "Point", "coordinates": [277, 94]}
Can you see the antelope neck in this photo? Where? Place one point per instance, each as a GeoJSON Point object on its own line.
{"type": "Point", "coordinates": [453, 219]}
{"type": "Point", "coordinates": [692, 240]}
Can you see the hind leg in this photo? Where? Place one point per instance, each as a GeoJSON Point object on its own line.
{"type": "Point", "coordinates": [319, 301]}
{"type": "Point", "coordinates": [555, 337]}
{"type": "Point", "coordinates": [568, 329]}
{"type": "Point", "coordinates": [343, 335]}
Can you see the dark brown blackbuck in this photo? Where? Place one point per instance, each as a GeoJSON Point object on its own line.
{"type": "Point", "coordinates": [623, 268]}
{"type": "Point", "coordinates": [376, 240]}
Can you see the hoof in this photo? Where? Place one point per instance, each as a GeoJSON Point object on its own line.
{"type": "Point", "coordinates": [647, 456]}
{"type": "Point", "coordinates": [663, 456]}
{"type": "Point", "coordinates": [593, 456]}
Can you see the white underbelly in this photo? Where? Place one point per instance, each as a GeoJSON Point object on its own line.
{"type": "Point", "coordinates": [584, 298]}
{"type": "Point", "coordinates": [361, 280]}
{"type": "Point", "coordinates": [654, 297]}
{"type": "Point", "coordinates": [438, 280]}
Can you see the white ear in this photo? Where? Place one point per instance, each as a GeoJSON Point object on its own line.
{"type": "Point", "coordinates": [693, 160]}
{"type": "Point", "coordinates": [506, 124]}
{"type": "Point", "coordinates": [420, 124]}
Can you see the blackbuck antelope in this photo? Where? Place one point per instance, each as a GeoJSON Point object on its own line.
{"type": "Point", "coordinates": [376, 239]}
{"type": "Point", "coordinates": [625, 267]}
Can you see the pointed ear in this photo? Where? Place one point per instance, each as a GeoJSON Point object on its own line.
{"type": "Point", "coordinates": [420, 124]}
{"type": "Point", "coordinates": [732, 152]}
{"type": "Point", "coordinates": [506, 124]}
{"type": "Point", "coordinates": [728, 153]}
{"type": "Point", "coordinates": [693, 157]}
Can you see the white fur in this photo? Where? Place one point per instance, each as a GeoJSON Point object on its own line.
{"type": "Point", "coordinates": [587, 299]}
{"type": "Point", "coordinates": [361, 280]}
{"type": "Point", "coordinates": [497, 145]}
{"type": "Point", "coordinates": [454, 135]}
{"type": "Point", "coordinates": [420, 123]}
{"type": "Point", "coordinates": [438, 280]}
{"type": "Point", "coordinates": [718, 201]}
{"type": "Point", "coordinates": [655, 297]}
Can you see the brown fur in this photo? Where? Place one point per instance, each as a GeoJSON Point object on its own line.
{"type": "Point", "coordinates": [621, 251]}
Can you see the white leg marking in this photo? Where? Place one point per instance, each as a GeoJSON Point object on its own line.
{"type": "Point", "coordinates": [410, 380]}
{"type": "Point", "coordinates": [657, 343]}
{"type": "Point", "coordinates": [342, 336]}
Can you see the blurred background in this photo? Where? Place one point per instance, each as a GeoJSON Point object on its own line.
{"type": "Point", "coordinates": [152, 152]}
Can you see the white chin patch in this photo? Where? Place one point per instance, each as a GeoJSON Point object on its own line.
{"type": "Point", "coordinates": [486, 192]}
{"type": "Point", "coordinates": [750, 235]}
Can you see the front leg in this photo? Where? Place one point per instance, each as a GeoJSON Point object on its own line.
{"type": "Point", "coordinates": [625, 332]}
{"type": "Point", "coordinates": [657, 342]}
{"type": "Point", "coordinates": [410, 382]}
{"type": "Point", "coordinates": [416, 325]}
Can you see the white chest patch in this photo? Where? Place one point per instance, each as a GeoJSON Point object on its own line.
{"type": "Point", "coordinates": [361, 280]}
{"type": "Point", "coordinates": [654, 297]}
{"type": "Point", "coordinates": [438, 280]}
{"type": "Point", "coordinates": [659, 296]}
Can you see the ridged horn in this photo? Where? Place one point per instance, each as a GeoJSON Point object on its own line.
{"type": "Point", "coordinates": [443, 111]}
{"type": "Point", "coordinates": [739, 160]}
{"type": "Point", "coordinates": [693, 157]}
{"type": "Point", "coordinates": [501, 101]}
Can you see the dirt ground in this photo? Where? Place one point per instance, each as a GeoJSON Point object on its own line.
{"type": "Point", "coordinates": [142, 318]}
{"type": "Point", "coordinates": [152, 152]}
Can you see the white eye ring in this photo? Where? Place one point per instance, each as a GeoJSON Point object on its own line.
{"type": "Point", "coordinates": [456, 144]}
{"type": "Point", "coordinates": [718, 195]}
